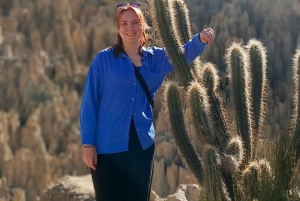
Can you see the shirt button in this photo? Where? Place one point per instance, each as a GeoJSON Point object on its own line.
{"type": "Point", "coordinates": [132, 99]}
{"type": "Point", "coordinates": [138, 129]}
{"type": "Point", "coordinates": [134, 114]}
{"type": "Point", "coordinates": [133, 83]}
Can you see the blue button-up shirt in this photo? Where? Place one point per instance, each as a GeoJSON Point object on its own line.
{"type": "Point", "coordinates": [112, 96]}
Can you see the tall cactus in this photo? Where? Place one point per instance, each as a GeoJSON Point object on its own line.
{"type": "Point", "coordinates": [163, 21]}
{"type": "Point", "coordinates": [258, 61]}
{"type": "Point", "coordinates": [227, 164]}
{"type": "Point", "coordinates": [182, 29]}
{"type": "Point", "coordinates": [181, 136]}
{"type": "Point", "coordinates": [200, 112]}
{"type": "Point", "coordinates": [214, 183]}
{"type": "Point", "coordinates": [219, 116]}
{"type": "Point", "coordinates": [239, 72]}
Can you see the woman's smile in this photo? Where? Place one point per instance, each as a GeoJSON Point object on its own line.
{"type": "Point", "coordinates": [129, 27]}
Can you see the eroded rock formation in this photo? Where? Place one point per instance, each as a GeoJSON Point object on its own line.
{"type": "Point", "coordinates": [45, 51]}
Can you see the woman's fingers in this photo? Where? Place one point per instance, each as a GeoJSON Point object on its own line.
{"type": "Point", "coordinates": [207, 35]}
{"type": "Point", "coordinates": [89, 156]}
{"type": "Point", "coordinates": [90, 163]}
{"type": "Point", "coordinates": [93, 166]}
{"type": "Point", "coordinates": [210, 35]}
{"type": "Point", "coordinates": [95, 159]}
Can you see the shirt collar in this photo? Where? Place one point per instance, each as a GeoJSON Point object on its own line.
{"type": "Point", "coordinates": [146, 51]}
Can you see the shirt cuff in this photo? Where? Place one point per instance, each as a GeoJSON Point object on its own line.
{"type": "Point", "coordinates": [87, 140]}
{"type": "Point", "coordinates": [196, 40]}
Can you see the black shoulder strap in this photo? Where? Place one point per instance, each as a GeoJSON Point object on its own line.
{"type": "Point", "coordinates": [143, 84]}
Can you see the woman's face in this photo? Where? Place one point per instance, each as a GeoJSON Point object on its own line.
{"type": "Point", "coordinates": [130, 28]}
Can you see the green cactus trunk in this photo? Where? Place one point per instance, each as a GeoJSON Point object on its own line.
{"type": "Point", "coordinates": [181, 23]}
{"type": "Point", "coordinates": [182, 28]}
{"type": "Point", "coordinates": [172, 96]}
{"type": "Point", "coordinates": [258, 61]}
{"type": "Point", "coordinates": [250, 181]}
{"type": "Point", "coordinates": [266, 180]}
{"type": "Point", "coordinates": [162, 19]}
{"type": "Point", "coordinates": [215, 188]}
{"type": "Point", "coordinates": [200, 113]}
{"type": "Point", "coordinates": [219, 117]}
{"type": "Point", "coordinates": [235, 149]}
{"type": "Point", "coordinates": [238, 67]}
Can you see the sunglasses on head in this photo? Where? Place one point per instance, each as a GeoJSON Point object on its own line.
{"type": "Point", "coordinates": [133, 4]}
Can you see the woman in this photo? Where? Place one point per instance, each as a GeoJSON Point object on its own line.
{"type": "Point", "coordinates": [116, 117]}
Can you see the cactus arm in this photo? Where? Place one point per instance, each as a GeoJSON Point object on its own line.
{"type": "Point", "coordinates": [214, 185]}
{"type": "Point", "coordinates": [182, 26]}
{"type": "Point", "coordinates": [199, 107]}
{"type": "Point", "coordinates": [237, 61]}
{"type": "Point", "coordinates": [172, 96]}
{"type": "Point", "coordinates": [182, 30]}
{"type": "Point", "coordinates": [258, 61]}
{"type": "Point", "coordinates": [266, 180]}
{"type": "Point", "coordinates": [161, 19]}
{"type": "Point", "coordinates": [250, 180]}
{"type": "Point", "coordinates": [219, 118]}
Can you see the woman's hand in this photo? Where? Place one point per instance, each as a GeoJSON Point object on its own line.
{"type": "Point", "coordinates": [207, 35]}
{"type": "Point", "coordinates": [90, 156]}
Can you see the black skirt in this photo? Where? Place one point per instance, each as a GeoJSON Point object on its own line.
{"type": "Point", "coordinates": [124, 176]}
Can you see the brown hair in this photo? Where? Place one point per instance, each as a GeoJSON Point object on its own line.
{"type": "Point", "coordinates": [143, 40]}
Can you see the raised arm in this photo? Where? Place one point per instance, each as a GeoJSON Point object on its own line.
{"type": "Point", "coordinates": [197, 44]}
